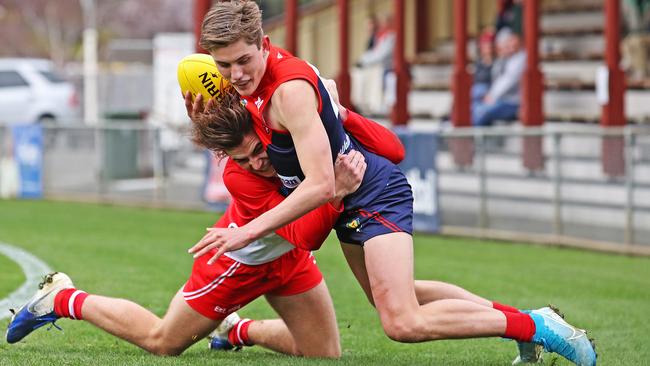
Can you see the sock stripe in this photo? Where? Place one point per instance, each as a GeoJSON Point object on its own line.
{"type": "Point", "coordinates": [71, 303]}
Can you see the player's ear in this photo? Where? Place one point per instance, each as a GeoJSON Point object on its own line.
{"type": "Point", "coordinates": [266, 43]}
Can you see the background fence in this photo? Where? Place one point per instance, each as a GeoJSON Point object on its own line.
{"type": "Point", "coordinates": [569, 201]}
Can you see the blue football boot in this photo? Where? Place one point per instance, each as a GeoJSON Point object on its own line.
{"type": "Point", "coordinates": [529, 352]}
{"type": "Point", "coordinates": [556, 335]}
{"type": "Point", "coordinates": [218, 339]}
{"type": "Point", "coordinates": [39, 310]}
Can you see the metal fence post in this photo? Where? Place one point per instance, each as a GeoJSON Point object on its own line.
{"type": "Point", "coordinates": [483, 210]}
{"type": "Point", "coordinates": [629, 138]}
{"type": "Point", "coordinates": [99, 145]}
{"type": "Point", "coordinates": [558, 228]}
{"type": "Point", "coordinates": [158, 168]}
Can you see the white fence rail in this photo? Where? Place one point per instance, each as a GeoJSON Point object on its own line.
{"type": "Point", "coordinates": [569, 199]}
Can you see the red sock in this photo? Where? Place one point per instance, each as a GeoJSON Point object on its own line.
{"type": "Point", "coordinates": [504, 308]}
{"type": "Point", "coordinates": [68, 303]}
{"type": "Point", "coordinates": [519, 326]}
{"type": "Point", "coordinates": [238, 335]}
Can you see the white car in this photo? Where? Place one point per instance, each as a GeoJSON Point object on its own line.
{"type": "Point", "coordinates": [31, 91]}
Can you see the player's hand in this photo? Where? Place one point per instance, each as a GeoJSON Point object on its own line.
{"type": "Point", "coordinates": [348, 172]}
{"type": "Point", "coordinates": [222, 240]}
{"type": "Point", "coordinates": [196, 108]}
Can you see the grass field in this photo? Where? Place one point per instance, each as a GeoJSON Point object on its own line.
{"type": "Point", "coordinates": [141, 254]}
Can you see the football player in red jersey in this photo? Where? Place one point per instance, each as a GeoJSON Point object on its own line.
{"type": "Point", "coordinates": [276, 266]}
{"type": "Point", "coordinates": [301, 131]}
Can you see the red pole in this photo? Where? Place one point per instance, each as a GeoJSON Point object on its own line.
{"type": "Point", "coordinates": [291, 25]}
{"type": "Point", "coordinates": [399, 114]}
{"type": "Point", "coordinates": [462, 148]}
{"type": "Point", "coordinates": [344, 56]}
{"type": "Point", "coordinates": [201, 7]}
{"type": "Point", "coordinates": [613, 110]}
{"type": "Point", "coordinates": [461, 80]}
{"type": "Point", "coordinates": [613, 115]}
{"type": "Point", "coordinates": [421, 25]}
{"type": "Point", "coordinates": [532, 87]}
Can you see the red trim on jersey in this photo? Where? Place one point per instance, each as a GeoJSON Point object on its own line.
{"type": "Point", "coordinates": [253, 195]}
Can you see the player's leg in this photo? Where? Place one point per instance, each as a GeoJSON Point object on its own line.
{"type": "Point", "coordinates": [294, 287]}
{"type": "Point", "coordinates": [401, 315]}
{"type": "Point", "coordinates": [425, 291]}
{"type": "Point", "coordinates": [356, 261]}
{"type": "Point", "coordinates": [181, 326]}
{"type": "Point", "coordinates": [311, 323]}
{"type": "Point", "coordinates": [58, 298]}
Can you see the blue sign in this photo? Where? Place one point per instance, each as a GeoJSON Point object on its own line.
{"type": "Point", "coordinates": [419, 166]}
{"type": "Point", "coordinates": [28, 153]}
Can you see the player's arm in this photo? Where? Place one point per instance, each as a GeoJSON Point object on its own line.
{"type": "Point", "coordinates": [306, 232]}
{"type": "Point", "coordinates": [254, 195]}
{"type": "Point", "coordinates": [295, 106]}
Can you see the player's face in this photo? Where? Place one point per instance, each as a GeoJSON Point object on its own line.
{"type": "Point", "coordinates": [242, 64]}
{"type": "Point", "coordinates": [251, 155]}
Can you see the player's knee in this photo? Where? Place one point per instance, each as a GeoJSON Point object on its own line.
{"type": "Point", "coordinates": [401, 329]}
{"type": "Point", "coordinates": [160, 344]}
{"type": "Point", "coordinates": [330, 347]}
{"type": "Point", "coordinates": [333, 352]}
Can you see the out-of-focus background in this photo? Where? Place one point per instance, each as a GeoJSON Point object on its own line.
{"type": "Point", "coordinates": [522, 119]}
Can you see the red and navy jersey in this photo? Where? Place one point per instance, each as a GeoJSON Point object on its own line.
{"type": "Point", "coordinates": [280, 68]}
{"type": "Point", "coordinates": [252, 195]}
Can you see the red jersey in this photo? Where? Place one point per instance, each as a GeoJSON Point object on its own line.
{"type": "Point", "coordinates": [252, 195]}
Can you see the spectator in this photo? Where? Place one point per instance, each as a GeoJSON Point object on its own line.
{"type": "Point", "coordinates": [636, 41]}
{"type": "Point", "coordinates": [373, 80]}
{"type": "Point", "coordinates": [503, 98]}
{"type": "Point", "coordinates": [483, 65]}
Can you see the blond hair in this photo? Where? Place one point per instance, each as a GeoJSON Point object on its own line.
{"type": "Point", "coordinates": [229, 21]}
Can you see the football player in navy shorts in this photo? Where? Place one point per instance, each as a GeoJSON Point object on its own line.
{"type": "Point", "coordinates": [299, 126]}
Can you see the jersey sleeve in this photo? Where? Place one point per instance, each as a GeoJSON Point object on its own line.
{"type": "Point", "coordinates": [253, 195]}
{"type": "Point", "coordinates": [375, 137]}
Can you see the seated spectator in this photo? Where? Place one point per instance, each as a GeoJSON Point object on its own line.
{"type": "Point", "coordinates": [373, 81]}
{"type": "Point", "coordinates": [636, 41]}
{"type": "Point", "coordinates": [503, 97]}
{"type": "Point", "coordinates": [483, 65]}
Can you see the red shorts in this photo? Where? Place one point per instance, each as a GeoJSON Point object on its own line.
{"type": "Point", "coordinates": [221, 288]}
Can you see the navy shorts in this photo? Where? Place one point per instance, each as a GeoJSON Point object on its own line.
{"type": "Point", "coordinates": [390, 212]}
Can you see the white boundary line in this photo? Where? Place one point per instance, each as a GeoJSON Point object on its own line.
{"type": "Point", "coordinates": [34, 270]}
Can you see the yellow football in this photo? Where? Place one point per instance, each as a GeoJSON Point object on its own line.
{"type": "Point", "coordinates": [199, 74]}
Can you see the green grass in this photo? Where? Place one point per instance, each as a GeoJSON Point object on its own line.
{"type": "Point", "coordinates": [10, 275]}
{"type": "Point", "coordinates": [141, 254]}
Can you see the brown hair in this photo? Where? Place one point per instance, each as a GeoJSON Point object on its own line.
{"type": "Point", "coordinates": [229, 21]}
{"type": "Point", "coordinates": [223, 127]}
